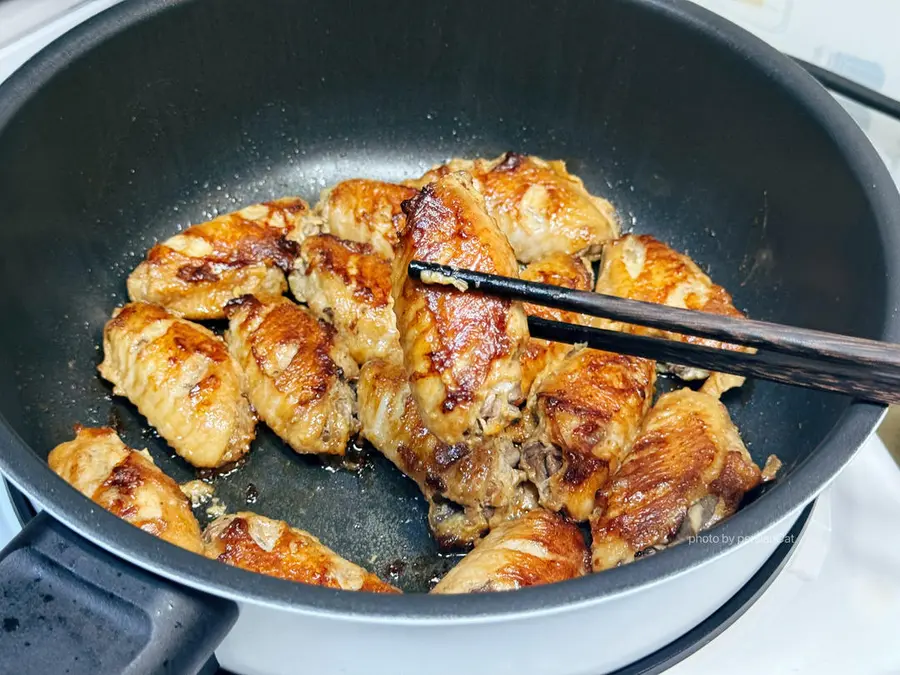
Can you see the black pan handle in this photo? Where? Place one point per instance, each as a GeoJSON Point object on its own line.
{"type": "Point", "coordinates": [69, 606]}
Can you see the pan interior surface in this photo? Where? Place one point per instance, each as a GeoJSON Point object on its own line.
{"type": "Point", "coordinates": [202, 107]}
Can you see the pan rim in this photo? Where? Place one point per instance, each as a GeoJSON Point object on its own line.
{"type": "Point", "coordinates": [31, 474]}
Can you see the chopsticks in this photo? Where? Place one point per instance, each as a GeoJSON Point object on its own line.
{"type": "Point", "coordinates": [866, 369]}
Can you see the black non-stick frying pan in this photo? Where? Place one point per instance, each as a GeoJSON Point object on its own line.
{"type": "Point", "coordinates": [162, 113]}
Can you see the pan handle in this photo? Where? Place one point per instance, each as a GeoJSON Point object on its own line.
{"type": "Point", "coordinates": [69, 606]}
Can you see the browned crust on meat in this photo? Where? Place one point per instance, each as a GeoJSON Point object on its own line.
{"type": "Point", "coordinates": [538, 548]}
{"type": "Point", "coordinates": [368, 275]}
{"type": "Point", "coordinates": [589, 410]}
{"type": "Point", "coordinates": [557, 269]}
{"type": "Point", "coordinates": [688, 449]}
{"type": "Point", "coordinates": [370, 201]}
{"type": "Point", "coordinates": [234, 246]}
{"type": "Point", "coordinates": [454, 336]}
{"type": "Point", "coordinates": [469, 486]}
{"type": "Point", "coordinates": [130, 488]}
{"type": "Point", "coordinates": [662, 274]}
{"type": "Point", "coordinates": [311, 371]}
{"type": "Point", "coordinates": [296, 556]}
{"type": "Point", "coordinates": [538, 204]}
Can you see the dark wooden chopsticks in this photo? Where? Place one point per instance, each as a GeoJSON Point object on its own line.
{"type": "Point", "coordinates": [866, 369]}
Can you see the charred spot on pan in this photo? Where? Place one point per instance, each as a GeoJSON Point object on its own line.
{"type": "Point", "coordinates": [510, 162]}
{"type": "Point", "coordinates": [114, 421]}
{"type": "Point", "coordinates": [251, 494]}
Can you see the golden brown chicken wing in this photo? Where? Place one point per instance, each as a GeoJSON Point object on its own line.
{"type": "Point", "coordinates": [640, 267]}
{"type": "Point", "coordinates": [539, 206]}
{"type": "Point", "coordinates": [182, 379]}
{"type": "Point", "coordinates": [272, 547]}
{"type": "Point", "coordinates": [587, 413]}
{"type": "Point", "coordinates": [345, 283]}
{"type": "Point", "coordinates": [128, 484]}
{"type": "Point", "coordinates": [293, 372]}
{"type": "Point", "coordinates": [366, 211]}
{"type": "Point", "coordinates": [538, 548]}
{"type": "Point", "coordinates": [469, 486]}
{"type": "Point", "coordinates": [557, 269]}
{"type": "Point", "coordinates": [461, 350]}
{"type": "Point", "coordinates": [687, 470]}
{"type": "Point", "coordinates": [196, 272]}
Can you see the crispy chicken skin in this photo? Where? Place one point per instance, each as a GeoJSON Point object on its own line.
{"type": "Point", "coordinates": [461, 350]}
{"type": "Point", "coordinates": [538, 548]}
{"type": "Point", "coordinates": [272, 547]}
{"type": "Point", "coordinates": [366, 211]}
{"type": "Point", "coordinates": [557, 269]}
{"type": "Point", "coordinates": [687, 470]}
{"type": "Point", "coordinates": [469, 486]}
{"type": "Point", "coordinates": [587, 413]}
{"type": "Point", "coordinates": [128, 484]}
{"type": "Point", "coordinates": [196, 272]}
{"type": "Point", "coordinates": [539, 206]}
{"type": "Point", "coordinates": [640, 267]}
{"type": "Point", "coordinates": [182, 379]}
{"type": "Point", "coordinates": [347, 284]}
{"type": "Point", "coordinates": [293, 372]}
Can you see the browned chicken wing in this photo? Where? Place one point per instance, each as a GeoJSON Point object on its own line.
{"type": "Point", "coordinates": [461, 350]}
{"type": "Point", "coordinates": [366, 211]}
{"type": "Point", "coordinates": [272, 547]}
{"type": "Point", "coordinates": [557, 269]}
{"type": "Point", "coordinates": [128, 484]}
{"type": "Point", "coordinates": [182, 379]}
{"type": "Point", "coordinates": [539, 206]}
{"type": "Point", "coordinates": [345, 283]}
{"type": "Point", "coordinates": [587, 413]}
{"type": "Point", "coordinates": [687, 470]}
{"type": "Point", "coordinates": [640, 267]}
{"type": "Point", "coordinates": [538, 548]}
{"type": "Point", "coordinates": [196, 272]}
{"type": "Point", "coordinates": [293, 372]}
{"type": "Point", "coordinates": [469, 486]}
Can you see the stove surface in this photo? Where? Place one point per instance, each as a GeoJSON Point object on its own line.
{"type": "Point", "coordinates": [835, 605]}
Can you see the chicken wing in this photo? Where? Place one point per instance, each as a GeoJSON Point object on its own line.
{"type": "Point", "coordinates": [196, 272]}
{"type": "Point", "coordinates": [293, 372]}
{"type": "Point", "coordinates": [469, 486]}
{"type": "Point", "coordinates": [274, 548]}
{"type": "Point", "coordinates": [345, 283]}
{"type": "Point", "coordinates": [557, 269]}
{"type": "Point", "coordinates": [687, 470]}
{"type": "Point", "coordinates": [461, 350]}
{"type": "Point", "coordinates": [128, 484]}
{"type": "Point", "coordinates": [640, 267]}
{"type": "Point", "coordinates": [538, 548]}
{"type": "Point", "coordinates": [182, 379]}
{"type": "Point", "coordinates": [587, 413]}
{"type": "Point", "coordinates": [539, 206]}
{"type": "Point", "coordinates": [366, 211]}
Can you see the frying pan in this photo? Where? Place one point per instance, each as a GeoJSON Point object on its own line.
{"type": "Point", "coordinates": [159, 113]}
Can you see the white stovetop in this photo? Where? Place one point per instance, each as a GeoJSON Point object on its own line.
{"type": "Point", "coordinates": [835, 607]}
